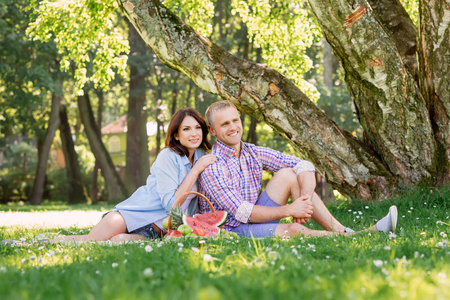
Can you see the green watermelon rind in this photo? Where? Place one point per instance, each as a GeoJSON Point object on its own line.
{"type": "Point", "coordinates": [218, 223]}
{"type": "Point", "coordinates": [210, 230]}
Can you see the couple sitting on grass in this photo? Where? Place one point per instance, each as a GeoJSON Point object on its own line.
{"type": "Point", "coordinates": [231, 177]}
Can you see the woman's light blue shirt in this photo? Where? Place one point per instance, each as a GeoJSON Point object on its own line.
{"type": "Point", "coordinates": [154, 200]}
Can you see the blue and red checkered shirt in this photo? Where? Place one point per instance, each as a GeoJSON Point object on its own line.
{"type": "Point", "coordinates": [234, 182]}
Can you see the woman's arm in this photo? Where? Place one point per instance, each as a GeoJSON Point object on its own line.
{"type": "Point", "coordinates": [192, 176]}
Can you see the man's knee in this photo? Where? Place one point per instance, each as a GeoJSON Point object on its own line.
{"type": "Point", "coordinates": [287, 173]}
{"type": "Point", "coordinates": [286, 176]}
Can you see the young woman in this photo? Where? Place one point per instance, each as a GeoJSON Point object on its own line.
{"type": "Point", "coordinates": [173, 173]}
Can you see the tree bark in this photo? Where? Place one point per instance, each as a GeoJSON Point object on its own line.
{"type": "Point", "coordinates": [76, 189]}
{"type": "Point", "coordinates": [137, 154]}
{"type": "Point", "coordinates": [114, 185]}
{"type": "Point", "coordinates": [434, 79]}
{"type": "Point", "coordinates": [94, 185]}
{"type": "Point", "coordinates": [175, 94]}
{"type": "Point", "coordinates": [251, 134]}
{"type": "Point", "coordinates": [159, 123]}
{"type": "Point", "coordinates": [401, 148]}
{"type": "Point", "coordinates": [396, 22]}
{"type": "Point", "coordinates": [44, 147]}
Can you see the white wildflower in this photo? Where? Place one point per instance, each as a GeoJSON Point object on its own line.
{"type": "Point", "coordinates": [148, 248]}
{"type": "Point", "coordinates": [387, 247]}
{"type": "Point", "coordinates": [392, 235]}
{"type": "Point", "coordinates": [194, 249]}
{"type": "Point", "coordinates": [207, 257]}
{"type": "Point", "coordinates": [282, 267]}
{"type": "Point", "coordinates": [148, 272]}
{"type": "Point", "coordinates": [378, 263]}
{"type": "Point", "coordinates": [114, 265]}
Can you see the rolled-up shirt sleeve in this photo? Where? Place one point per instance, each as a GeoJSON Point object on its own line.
{"type": "Point", "coordinates": [217, 183]}
{"type": "Point", "coordinates": [273, 161]}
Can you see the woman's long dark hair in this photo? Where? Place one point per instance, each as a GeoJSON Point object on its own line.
{"type": "Point", "coordinates": [174, 125]}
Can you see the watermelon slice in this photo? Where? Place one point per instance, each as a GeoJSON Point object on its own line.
{"type": "Point", "coordinates": [210, 230]}
{"type": "Point", "coordinates": [217, 218]}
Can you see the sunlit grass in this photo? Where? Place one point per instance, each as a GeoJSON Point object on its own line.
{"type": "Point", "coordinates": [53, 206]}
{"type": "Point", "coordinates": [412, 264]}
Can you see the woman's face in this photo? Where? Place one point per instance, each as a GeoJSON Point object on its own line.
{"type": "Point", "coordinates": [189, 134]}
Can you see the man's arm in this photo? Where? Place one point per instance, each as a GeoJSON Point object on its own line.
{"type": "Point", "coordinates": [307, 184]}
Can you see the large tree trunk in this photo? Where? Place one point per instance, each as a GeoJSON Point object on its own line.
{"type": "Point", "coordinates": [401, 148]}
{"type": "Point", "coordinates": [137, 154]}
{"type": "Point", "coordinates": [45, 145]}
{"type": "Point", "coordinates": [114, 185]}
{"type": "Point", "coordinates": [76, 190]}
{"type": "Point", "coordinates": [434, 60]}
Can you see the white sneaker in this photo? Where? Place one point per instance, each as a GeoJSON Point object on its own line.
{"type": "Point", "coordinates": [389, 222]}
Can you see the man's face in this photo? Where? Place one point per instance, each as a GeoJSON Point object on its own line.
{"type": "Point", "coordinates": [226, 126]}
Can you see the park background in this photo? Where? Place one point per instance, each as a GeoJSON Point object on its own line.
{"type": "Point", "coordinates": [84, 106]}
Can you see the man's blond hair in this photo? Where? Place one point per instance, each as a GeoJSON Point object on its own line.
{"type": "Point", "coordinates": [216, 106]}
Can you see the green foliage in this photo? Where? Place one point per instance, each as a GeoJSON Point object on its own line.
{"type": "Point", "coordinates": [412, 8]}
{"type": "Point", "coordinates": [197, 14]}
{"type": "Point", "coordinates": [26, 73]}
{"type": "Point", "coordinates": [413, 264]}
{"type": "Point", "coordinates": [17, 172]}
{"type": "Point", "coordinates": [86, 36]}
{"type": "Point", "coordinates": [283, 30]}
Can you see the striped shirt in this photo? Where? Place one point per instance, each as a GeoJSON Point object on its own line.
{"type": "Point", "coordinates": [234, 182]}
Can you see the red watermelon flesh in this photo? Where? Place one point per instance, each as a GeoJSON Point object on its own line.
{"type": "Point", "coordinates": [210, 230]}
{"type": "Point", "coordinates": [217, 218]}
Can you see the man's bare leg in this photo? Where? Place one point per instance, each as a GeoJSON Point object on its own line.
{"type": "Point", "coordinates": [323, 217]}
{"type": "Point", "coordinates": [284, 184]}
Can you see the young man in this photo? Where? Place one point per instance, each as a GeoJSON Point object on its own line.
{"type": "Point", "coordinates": [234, 183]}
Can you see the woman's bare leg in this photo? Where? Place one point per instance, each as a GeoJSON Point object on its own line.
{"type": "Point", "coordinates": [111, 225]}
{"type": "Point", "coordinates": [124, 237]}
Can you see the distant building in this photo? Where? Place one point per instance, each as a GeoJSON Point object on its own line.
{"type": "Point", "coordinates": [115, 139]}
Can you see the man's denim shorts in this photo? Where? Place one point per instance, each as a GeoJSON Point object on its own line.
{"type": "Point", "coordinates": [259, 229]}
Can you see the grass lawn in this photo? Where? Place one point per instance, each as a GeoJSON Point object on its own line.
{"type": "Point", "coordinates": [412, 264]}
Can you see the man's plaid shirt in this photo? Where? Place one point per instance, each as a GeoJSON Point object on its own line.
{"type": "Point", "coordinates": [233, 183]}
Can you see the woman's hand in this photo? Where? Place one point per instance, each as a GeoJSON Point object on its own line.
{"type": "Point", "coordinates": [204, 162]}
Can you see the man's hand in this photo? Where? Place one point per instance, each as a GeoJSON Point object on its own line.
{"type": "Point", "coordinates": [301, 209]}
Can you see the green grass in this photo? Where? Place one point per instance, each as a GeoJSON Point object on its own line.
{"type": "Point", "coordinates": [414, 264]}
